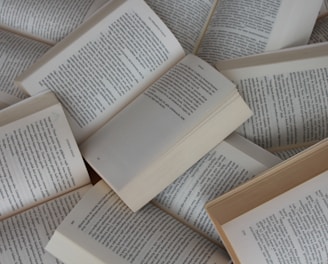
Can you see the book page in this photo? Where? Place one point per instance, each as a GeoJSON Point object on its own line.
{"type": "Point", "coordinates": [103, 66]}
{"type": "Point", "coordinates": [24, 236]}
{"type": "Point", "coordinates": [244, 27]}
{"type": "Point", "coordinates": [320, 30]}
{"type": "Point", "coordinates": [135, 140]}
{"type": "Point", "coordinates": [16, 54]}
{"type": "Point", "coordinates": [39, 159]}
{"type": "Point", "coordinates": [324, 7]}
{"type": "Point", "coordinates": [288, 153]}
{"type": "Point", "coordinates": [288, 99]}
{"type": "Point", "coordinates": [294, 24]}
{"type": "Point", "coordinates": [186, 19]}
{"type": "Point", "coordinates": [101, 228]}
{"type": "Point", "coordinates": [232, 162]}
{"type": "Point", "coordinates": [291, 228]}
{"type": "Point", "coordinates": [49, 21]}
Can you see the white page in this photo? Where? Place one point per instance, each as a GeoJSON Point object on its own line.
{"type": "Point", "coordinates": [244, 27]}
{"type": "Point", "coordinates": [49, 21]}
{"type": "Point", "coordinates": [294, 23]}
{"type": "Point", "coordinates": [288, 99]}
{"type": "Point", "coordinates": [290, 228]}
{"type": "Point", "coordinates": [39, 160]}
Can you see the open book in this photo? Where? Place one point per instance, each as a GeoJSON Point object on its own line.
{"type": "Point", "coordinates": [144, 111]}
{"type": "Point", "coordinates": [42, 177]}
{"type": "Point", "coordinates": [39, 155]}
{"type": "Point", "coordinates": [224, 29]}
{"type": "Point", "coordinates": [101, 227]}
{"type": "Point", "coordinates": [279, 216]}
{"type": "Point", "coordinates": [46, 21]}
{"type": "Point", "coordinates": [30, 28]}
{"type": "Point", "coordinates": [287, 92]}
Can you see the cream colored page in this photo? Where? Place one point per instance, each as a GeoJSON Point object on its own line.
{"type": "Point", "coordinates": [320, 31]}
{"type": "Point", "coordinates": [165, 113]}
{"type": "Point", "coordinates": [243, 27]}
{"type": "Point", "coordinates": [186, 19]}
{"type": "Point", "coordinates": [223, 168]}
{"type": "Point", "coordinates": [39, 160]}
{"type": "Point", "coordinates": [24, 236]}
{"type": "Point", "coordinates": [291, 228]}
{"type": "Point", "coordinates": [16, 54]}
{"type": "Point", "coordinates": [50, 21]}
{"type": "Point", "coordinates": [104, 69]}
{"type": "Point", "coordinates": [106, 231]}
{"type": "Point", "coordinates": [288, 99]}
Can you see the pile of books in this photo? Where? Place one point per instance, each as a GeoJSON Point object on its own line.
{"type": "Point", "coordinates": [164, 131]}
